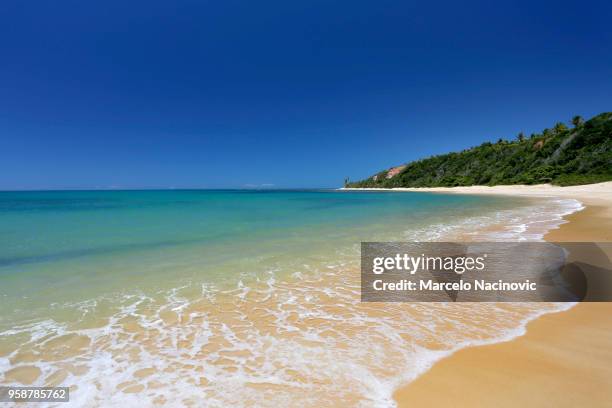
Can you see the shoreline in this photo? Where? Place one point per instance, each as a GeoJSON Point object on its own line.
{"type": "Point", "coordinates": [563, 359]}
{"type": "Point", "coordinates": [593, 194]}
{"type": "Point", "coordinates": [324, 305]}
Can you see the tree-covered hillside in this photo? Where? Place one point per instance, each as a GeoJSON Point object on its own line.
{"type": "Point", "coordinates": [581, 154]}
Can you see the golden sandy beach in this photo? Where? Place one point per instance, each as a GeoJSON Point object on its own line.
{"type": "Point", "coordinates": [564, 359]}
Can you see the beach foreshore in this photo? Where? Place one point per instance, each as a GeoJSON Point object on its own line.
{"type": "Point", "coordinates": [594, 194]}
{"type": "Point", "coordinates": [563, 360]}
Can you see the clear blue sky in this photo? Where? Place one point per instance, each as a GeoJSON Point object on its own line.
{"type": "Point", "coordinates": [290, 93]}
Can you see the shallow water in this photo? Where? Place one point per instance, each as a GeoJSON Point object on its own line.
{"type": "Point", "coordinates": [217, 298]}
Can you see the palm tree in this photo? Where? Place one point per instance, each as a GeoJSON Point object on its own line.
{"type": "Point", "coordinates": [560, 127]}
{"type": "Point", "coordinates": [521, 137]}
{"type": "Point", "coordinates": [577, 121]}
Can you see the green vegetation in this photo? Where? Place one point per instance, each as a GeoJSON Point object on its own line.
{"type": "Point", "coordinates": [562, 156]}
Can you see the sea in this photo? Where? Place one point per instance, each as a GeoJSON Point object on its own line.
{"type": "Point", "coordinates": [230, 298]}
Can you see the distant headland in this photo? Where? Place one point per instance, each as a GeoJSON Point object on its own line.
{"type": "Point", "coordinates": [564, 155]}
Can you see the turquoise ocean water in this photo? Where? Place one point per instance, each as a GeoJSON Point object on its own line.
{"type": "Point", "coordinates": [90, 277]}
{"type": "Point", "coordinates": [69, 245]}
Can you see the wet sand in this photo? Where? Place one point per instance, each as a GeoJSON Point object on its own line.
{"type": "Point", "coordinates": [564, 359]}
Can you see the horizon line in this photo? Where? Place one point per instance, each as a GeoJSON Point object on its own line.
{"type": "Point", "coordinates": [169, 189]}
